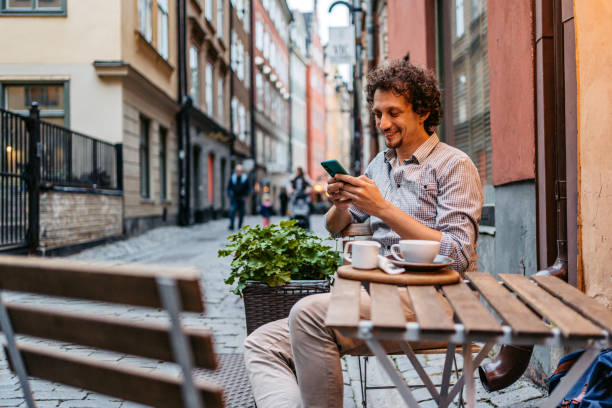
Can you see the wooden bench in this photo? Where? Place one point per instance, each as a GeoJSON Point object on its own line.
{"type": "Point", "coordinates": [173, 289]}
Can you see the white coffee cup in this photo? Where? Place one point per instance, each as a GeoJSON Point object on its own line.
{"type": "Point", "coordinates": [364, 254]}
{"type": "Point", "coordinates": [415, 250]}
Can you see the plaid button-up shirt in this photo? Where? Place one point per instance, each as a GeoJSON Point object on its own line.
{"type": "Point", "coordinates": [440, 187]}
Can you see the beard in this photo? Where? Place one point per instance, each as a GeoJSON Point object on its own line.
{"type": "Point", "coordinates": [393, 145]}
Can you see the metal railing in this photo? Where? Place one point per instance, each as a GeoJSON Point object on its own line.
{"type": "Point", "coordinates": [37, 154]}
{"type": "Point", "coordinates": [70, 158]}
{"type": "Point", "coordinates": [14, 181]}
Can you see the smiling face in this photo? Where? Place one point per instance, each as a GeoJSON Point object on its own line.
{"type": "Point", "coordinates": [396, 119]}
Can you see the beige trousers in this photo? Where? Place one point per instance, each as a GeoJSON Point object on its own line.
{"type": "Point", "coordinates": [295, 362]}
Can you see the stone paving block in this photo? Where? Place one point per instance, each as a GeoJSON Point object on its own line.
{"type": "Point", "coordinates": [87, 403]}
{"type": "Point", "coordinates": [10, 402]}
{"type": "Point", "coordinates": [511, 398]}
{"type": "Point", "coordinates": [61, 393]}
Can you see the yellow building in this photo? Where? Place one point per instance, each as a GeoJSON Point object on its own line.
{"type": "Point", "coordinates": [107, 69]}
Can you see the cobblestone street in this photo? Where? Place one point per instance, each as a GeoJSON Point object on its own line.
{"type": "Point", "coordinates": [197, 246]}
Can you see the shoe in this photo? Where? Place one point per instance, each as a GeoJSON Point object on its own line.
{"type": "Point", "coordinates": [230, 228]}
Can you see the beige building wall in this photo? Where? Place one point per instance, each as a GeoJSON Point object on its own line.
{"type": "Point", "coordinates": [63, 48]}
{"type": "Point", "coordinates": [594, 70]}
{"type": "Point", "coordinates": [142, 55]}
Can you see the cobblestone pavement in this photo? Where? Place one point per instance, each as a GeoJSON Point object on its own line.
{"type": "Point", "coordinates": [197, 245]}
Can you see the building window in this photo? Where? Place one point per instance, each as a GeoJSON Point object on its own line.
{"type": "Point", "coordinates": [208, 10]}
{"type": "Point", "coordinates": [162, 28]}
{"type": "Point", "coordinates": [220, 104]}
{"type": "Point", "coordinates": [145, 19]}
{"type": "Point", "coordinates": [194, 69]}
{"type": "Point", "coordinates": [459, 18]}
{"type": "Point", "coordinates": [144, 157]}
{"type": "Point", "coordinates": [45, 7]}
{"type": "Point", "coordinates": [211, 178]}
{"type": "Point", "coordinates": [220, 17]}
{"type": "Point", "coordinates": [50, 97]}
{"type": "Point", "coordinates": [259, 33]}
{"type": "Point", "coordinates": [209, 90]}
{"type": "Point", "coordinates": [465, 78]}
{"type": "Point", "coordinates": [163, 184]}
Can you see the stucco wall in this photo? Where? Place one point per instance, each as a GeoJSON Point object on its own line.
{"type": "Point", "coordinates": [512, 91]}
{"type": "Point", "coordinates": [410, 29]}
{"type": "Point", "coordinates": [75, 218]}
{"type": "Point", "coordinates": [93, 105]}
{"type": "Point", "coordinates": [594, 67]}
{"type": "Point", "coordinates": [74, 38]}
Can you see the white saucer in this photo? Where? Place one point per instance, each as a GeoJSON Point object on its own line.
{"type": "Point", "coordinates": [439, 262]}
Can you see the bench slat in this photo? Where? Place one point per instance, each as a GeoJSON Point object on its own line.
{"type": "Point", "coordinates": [386, 306]}
{"type": "Point", "coordinates": [430, 312]}
{"type": "Point", "coordinates": [117, 380]}
{"type": "Point", "coordinates": [150, 340]}
{"type": "Point", "coordinates": [343, 308]}
{"type": "Point", "coordinates": [471, 312]}
{"type": "Point", "coordinates": [127, 284]}
{"type": "Point", "coordinates": [571, 296]}
{"type": "Point", "coordinates": [513, 311]}
{"type": "Point", "coordinates": [569, 322]}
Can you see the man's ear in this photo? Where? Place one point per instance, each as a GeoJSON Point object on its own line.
{"type": "Point", "coordinates": [424, 117]}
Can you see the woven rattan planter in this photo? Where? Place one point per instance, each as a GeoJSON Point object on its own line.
{"type": "Point", "coordinates": [264, 304]}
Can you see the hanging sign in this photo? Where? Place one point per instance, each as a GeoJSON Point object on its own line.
{"type": "Point", "coordinates": [341, 45]}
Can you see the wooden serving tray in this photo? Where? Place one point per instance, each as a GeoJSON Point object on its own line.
{"type": "Point", "coordinates": [441, 277]}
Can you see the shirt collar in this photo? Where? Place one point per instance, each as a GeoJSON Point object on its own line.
{"type": "Point", "coordinates": [420, 153]}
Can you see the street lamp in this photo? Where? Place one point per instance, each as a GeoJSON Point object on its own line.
{"type": "Point", "coordinates": [355, 11]}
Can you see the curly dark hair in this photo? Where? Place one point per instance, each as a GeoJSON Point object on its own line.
{"type": "Point", "coordinates": [417, 85]}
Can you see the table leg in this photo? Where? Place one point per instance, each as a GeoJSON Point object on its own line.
{"type": "Point", "coordinates": [406, 348]}
{"type": "Point", "coordinates": [573, 375]}
{"type": "Point", "coordinates": [468, 370]}
{"type": "Point", "coordinates": [395, 377]}
{"type": "Point", "coordinates": [446, 374]}
{"type": "Point", "coordinates": [459, 384]}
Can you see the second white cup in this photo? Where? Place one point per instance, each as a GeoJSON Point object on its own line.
{"type": "Point", "coordinates": [364, 254]}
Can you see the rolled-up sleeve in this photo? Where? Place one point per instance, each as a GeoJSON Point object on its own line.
{"type": "Point", "coordinates": [459, 209]}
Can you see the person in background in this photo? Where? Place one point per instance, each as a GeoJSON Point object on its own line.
{"type": "Point", "coordinates": [266, 207]}
{"type": "Point", "coordinates": [300, 183]}
{"type": "Point", "coordinates": [284, 201]}
{"type": "Point", "coordinates": [237, 190]}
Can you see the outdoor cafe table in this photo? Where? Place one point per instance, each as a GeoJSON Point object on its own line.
{"type": "Point", "coordinates": [541, 310]}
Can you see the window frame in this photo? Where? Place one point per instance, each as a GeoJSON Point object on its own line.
{"type": "Point", "coordinates": [163, 36]}
{"type": "Point", "coordinates": [209, 78]}
{"type": "Point", "coordinates": [146, 32]}
{"type": "Point", "coordinates": [194, 83]}
{"type": "Point", "coordinates": [163, 163]}
{"type": "Point", "coordinates": [144, 166]}
{"type": "Point", "coordinates": [43, 114]}
{"type": "Point", "coordinates": [61, 11]}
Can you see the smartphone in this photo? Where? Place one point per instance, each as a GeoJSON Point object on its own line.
{"type": "Point", "coordinates": [333, 167]}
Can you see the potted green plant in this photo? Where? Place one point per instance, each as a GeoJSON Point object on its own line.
{"type": "Point", "coordinates": [275, 266]}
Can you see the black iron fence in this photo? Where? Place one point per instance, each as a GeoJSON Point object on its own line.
{"type": "Point", "coordinates": [14, 181]}
{"type": "Point", "coordinates": [72, 159]}
{"type": "Point", "coordinates": [35, 153]}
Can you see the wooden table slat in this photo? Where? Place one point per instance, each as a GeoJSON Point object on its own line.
{"type": "Point", "coordinates": [343, 308]}
{"type": "Point", "coordinates": [471, 312]}
{"type": "Point", "coordinates": [430, 311]}
{"type": "Point", "coordinates": [577, 300]}
{"type": "Point", "coordinates": [569, 321]}
{"type": "Point", "coordinates": [387, 309]}
{"type": "Point", "coordinates": [512, 311]}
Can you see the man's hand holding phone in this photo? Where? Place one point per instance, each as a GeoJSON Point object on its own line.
{"type": "Point", "coordinates": [334, 190]}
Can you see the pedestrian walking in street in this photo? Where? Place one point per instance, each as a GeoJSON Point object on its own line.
{"type": "Point", "coordinates": [237, 190]}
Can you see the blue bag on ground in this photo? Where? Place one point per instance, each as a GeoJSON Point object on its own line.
{"type": "Point", "coordinates": [593, 389]}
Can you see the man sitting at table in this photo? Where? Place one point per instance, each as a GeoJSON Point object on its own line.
{"type": "Point", "coordinates": [418, 188]}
